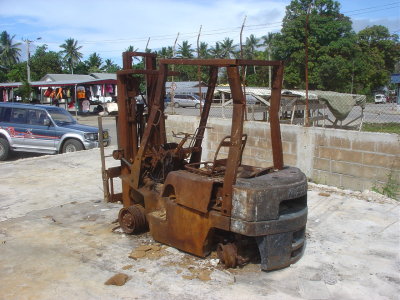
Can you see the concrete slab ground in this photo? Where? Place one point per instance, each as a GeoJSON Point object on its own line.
{"type": "Point", "coordinates": [58, 241]}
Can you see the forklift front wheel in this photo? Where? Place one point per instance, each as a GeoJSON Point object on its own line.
{"type": "Point", "coordinates": [132, 219]}
{"type": "Point", "coordinates": [227, 254]}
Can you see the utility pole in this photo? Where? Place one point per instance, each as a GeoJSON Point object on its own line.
{"type": "Point", "coordinates": [147, 45]}
{"type": "Point", "coordinates": [28, 68]}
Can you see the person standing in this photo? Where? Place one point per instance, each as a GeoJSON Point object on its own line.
{"type": "Point", "coordinates": [85, 106]}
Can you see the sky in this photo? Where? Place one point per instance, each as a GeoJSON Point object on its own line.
{"type": "Point", "coordinates": [109, 27]}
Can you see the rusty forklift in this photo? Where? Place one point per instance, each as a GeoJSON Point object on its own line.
{"type": "Point", "coordinates": [245, 213]}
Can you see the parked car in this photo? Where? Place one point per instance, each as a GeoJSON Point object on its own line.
{"type": "Point", "coordinates": [43, 129]}
{"type": "Point", "coordinates": [187, 101]}
{"type": "Point", "coordinates": [380, 98]}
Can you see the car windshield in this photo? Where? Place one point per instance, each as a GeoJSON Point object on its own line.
{"type": "Point", "coordinates": [61, 116]}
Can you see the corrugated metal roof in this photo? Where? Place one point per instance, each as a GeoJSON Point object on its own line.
{"type": "Point", "coordinates": [266, 92]}
{"type": "Point", "coordinates": [104, 75]}
{"type": "Point", "coordinates": [184, 84]}
{"type": "Point", "coordinates": [64, 77]}
{"type": "Point", "coordinates": [91, 80]}
{"type": "Point", "coordinates": [67, 80]}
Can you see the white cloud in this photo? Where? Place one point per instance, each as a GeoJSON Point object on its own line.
{"type": "Point", "coordinates": [390, 23]}
{"type": "Point", "coordinates": [109, 27]}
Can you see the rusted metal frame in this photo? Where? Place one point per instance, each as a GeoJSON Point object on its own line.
{"type": "Point", "coordinates": [145, 72]}
{"type": "Point", "coordinates": [151, 87]}
{"type": "Point", "coordinates": [106, 191]}
{"type": "Point", "coordinates": [265, 63]}
{"type": "Point", "coordinates": [277, 78]}
{"type": "Point", "coordinates": [133, 126]}
{"type": "Point", "coordinates": [155, 118]}
{"type": "Point", "coordinates": [236, 139]}
{"type": "Point", "coordinates": [151, 81]}
{"type": "Point", "coordinates": [144, 54]}
{"type": "Point", "coordinates": [159, 100]}
{"type": "Point", "coordinates": [127, 60]}
{"type": "Point", "coordinates": [123, 140]}
{"type": "Point", "coordinates": [212, 81]}
{"type": "Point", "coordinates": [222, 62]}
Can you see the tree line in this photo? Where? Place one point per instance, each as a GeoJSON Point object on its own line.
{"type": "Point", "coordinates": [339, 59]}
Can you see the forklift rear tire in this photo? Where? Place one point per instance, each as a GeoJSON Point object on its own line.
{"type": "Point", "coordinates": [4, 149]}
{"type": "Point", "coordinates": [132, 219]}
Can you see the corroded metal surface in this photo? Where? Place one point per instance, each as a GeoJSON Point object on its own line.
{"type": "Point", "coordinates": [195, 205]}
{"type": "Point", "coordinates": [132, 219]}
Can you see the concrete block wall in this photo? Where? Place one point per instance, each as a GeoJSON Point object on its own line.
{"type": "Point", "coordinates": [347, 159]}
{"type": "Point", "coordinates": [355, 160]}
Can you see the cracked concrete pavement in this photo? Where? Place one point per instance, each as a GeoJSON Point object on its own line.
{"type": "Point", "coordinates": [58, 241]}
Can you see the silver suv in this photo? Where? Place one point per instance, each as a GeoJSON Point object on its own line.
{"type": "Point", "coordinates": [187, 101]}
{"type": "Point", "coordinates": [43, 129]}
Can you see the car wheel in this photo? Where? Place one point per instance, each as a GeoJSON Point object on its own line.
{"type": "Point", "coordinates": [197, 105]}
{"type": "Point", "coordinates": [4, 149]}
{"type": "Point", "coordinates": [176, 104]}
{"type": "Point", "coordinates": [72, 146]}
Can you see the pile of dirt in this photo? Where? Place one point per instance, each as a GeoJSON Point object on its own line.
{"type": "Point", "coordinates": [154, 251]}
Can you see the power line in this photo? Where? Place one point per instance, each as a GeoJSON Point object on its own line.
{"type": "Point", "coordinates": [227, 30]}
{"type": "Point", "coordinates": [372, 7]}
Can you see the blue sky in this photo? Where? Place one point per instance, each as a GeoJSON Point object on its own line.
{"type": "Point", "coordinates": [109, 27]}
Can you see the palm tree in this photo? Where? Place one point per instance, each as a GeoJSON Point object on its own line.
{"type": "Point", "coordinates": [251, 45]}
{"type": "Point", "coordinates": [203, 50]}
{"type": "Point", "coordinates": [9, 52]}
{"type": "Point", "coordinates": [228, 48]}
{"type": "Point", "coordinates": [110, 66]}
{"type": "Point", "coordinates": [250, 48]}
{"type": "Point", "coordinates": [216, 51]}
{"type": "Point", "coordinates": [131, 49]}
{"type": "Point", "coordinates": [267, 42]}
{"type": "Point", "coordinates": [166, 52]}
{"type": "Point", "coordinates": [71, 53]}
{"type": "Point", "coordinates": [94, 62]}
{"type": "Point", "coordinates": [185, 50]}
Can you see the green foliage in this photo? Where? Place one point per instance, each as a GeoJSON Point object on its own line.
{"type": "Point", "coordinates": [17, 73]}
{"type": "Point", "coordinates": [110, 66]}
{"type": "Point", "coordinates": [185, 50]}
{"type": "Point", "coordinates": [382, 127]}
{"type": "Point", "coordinates": [25, 91]}
{"type": "Point", "coordinates": [81, 68]}
{"type": "Point", "coordinates": [9, 52]}
{"type": "Point", "coordinates": [44, 62]}
{"type": "Point", "coordinates": [339, 59]}
{"type": "Point", "coordinates": [131, 49]}
{"type": "Point", "coordinates": [337, 55]}
{"type": "Point", "coordinates": [71, 53]}
{"type": "Point", "coordinates": [166, 52]}
{"type": "Point", "coordinates": [390, 188]}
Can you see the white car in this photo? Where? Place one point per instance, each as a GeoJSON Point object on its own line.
{"type": "Point", "coordinates": [380, 98]}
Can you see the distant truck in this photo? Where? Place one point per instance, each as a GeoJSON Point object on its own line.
{"type": "Point", "coordinates": [380, 98]}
